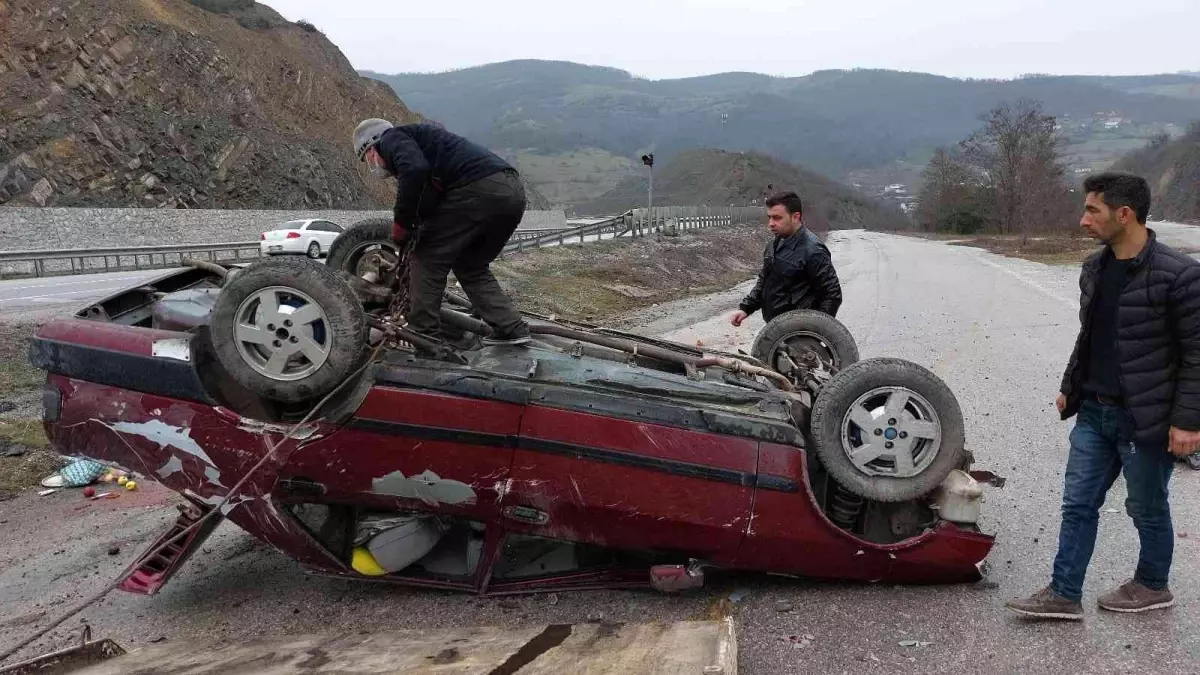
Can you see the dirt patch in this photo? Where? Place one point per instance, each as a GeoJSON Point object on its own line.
{"type": "Point", "coordinates": [603, 279]}
{"type": "Point", "coordinates": [25, 471]}
{"type": "Point", "coordinates": [1051, 249]}
{"type": "Point", "coordinates": [20, 383]}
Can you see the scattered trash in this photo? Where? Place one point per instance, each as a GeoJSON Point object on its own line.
{"type": "Point", "coordinates": [800, 641]}
{"type": "Point", "coordinates": [114, 550]}
{"type": "Point", "coordinates": [160, 638]}
{"type": "Point", "coordinates": [739, 595]}
{"type": "Point", "coordinates": [131, 486]}
{"type": "Point", "coordinates": [76, 474]}
{"type": "Point", "coordinates": [105, 495]}
{"type": "Point", "coordinates": [783, 606]}
{"type": "Point", "coordinates": [12, 449]}
{"type": "Point", "coordinates": [89, 492]}
{"type": "Point", "coordinates": [554, 598]}
{"type": "Point", "coordinates": [914, 643]}
{"type": "Point", "coordinates": [51, 491]}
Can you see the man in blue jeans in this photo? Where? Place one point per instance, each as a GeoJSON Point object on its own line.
{"type": "Point", "coordinates": [1134, 381]}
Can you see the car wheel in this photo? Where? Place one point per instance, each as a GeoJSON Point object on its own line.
{"type": "Point", "coordinates": [314, 250]}
{"type": "Point", "coordinates": [887, 429]}
{"type": "Point", "coordinates": [288, 329]}
{"type": "Point", "coordinates": [805, 330]}
{"type": "Point", "coordinates": [366, 250]}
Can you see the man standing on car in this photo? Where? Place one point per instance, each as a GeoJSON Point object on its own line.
{"type": "Point", "coordinates": [1134, 381]}
{"type": "Point", "coordinates": [462, 203]}
{"type": "Point", "coordinates": [797, 271]}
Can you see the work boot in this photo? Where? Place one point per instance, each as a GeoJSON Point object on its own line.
{"type": "Point", "coordinates": [1046, 604]}
{"type": "Point", "coordinates": [1133, 597]}
{"type": "Point", "coordinates": [518, 336]}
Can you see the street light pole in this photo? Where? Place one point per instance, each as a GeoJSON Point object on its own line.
{"type": "Point", "coordinates": [648, 160]}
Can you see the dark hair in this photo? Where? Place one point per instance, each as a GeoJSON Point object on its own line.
{"type": "Point", "coordinates": [788, 200]}
{"type": "Point", "coordinates": [1118, 189]}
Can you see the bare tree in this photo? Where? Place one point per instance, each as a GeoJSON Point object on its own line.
{"type": "Point", "coordinates": [949, 197]}
{"type": "Point", "coordinates": [1018, 152]}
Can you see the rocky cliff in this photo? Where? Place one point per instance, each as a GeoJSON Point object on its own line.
{"type": "Point", "coordinates": [168, 103]}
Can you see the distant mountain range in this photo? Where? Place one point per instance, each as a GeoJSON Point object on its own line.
{"type": "Point", "coordinates": [855, 124]}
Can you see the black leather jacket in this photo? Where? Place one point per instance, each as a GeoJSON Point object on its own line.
{"type": "Point", "coordinates": [797, 273]}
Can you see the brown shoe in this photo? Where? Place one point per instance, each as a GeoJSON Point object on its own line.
{"type": "Point", "coordinates": [1046, 604]}
{"type": "Point", "coordinates": [1133, 597]}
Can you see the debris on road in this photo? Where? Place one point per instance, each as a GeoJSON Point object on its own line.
{"type": "Point", "coordinates": [783, 606]}
{"type": "Point", "coordinates": [914, 643]}
{"type": "Point", "coordinates": [739, 595]}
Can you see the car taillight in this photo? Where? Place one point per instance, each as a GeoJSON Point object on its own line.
{"type": "Point", "coordinates": [293, 235]}
{"type": "Point", "coordinates": [262, 237]}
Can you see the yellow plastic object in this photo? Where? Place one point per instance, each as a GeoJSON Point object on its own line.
{"type": "Point", "coordinates": [364, 563]}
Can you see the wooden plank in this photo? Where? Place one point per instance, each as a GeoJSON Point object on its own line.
{"type": "Point", "coordinates": [692, 647]}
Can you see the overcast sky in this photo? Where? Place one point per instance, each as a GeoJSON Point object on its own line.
{"type": "Point", "coordinates": [661, 38]}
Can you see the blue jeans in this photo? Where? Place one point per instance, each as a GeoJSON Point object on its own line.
{"type": "Point", "coordinates": [1101, 446]}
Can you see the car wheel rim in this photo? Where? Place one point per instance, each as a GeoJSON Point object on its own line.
{"type": "Point", "coordinates": [282, 333]}
{"type": "Point", "coordinates": [891, 431]}
{"type": "Point", "coordinates": [314, 251]}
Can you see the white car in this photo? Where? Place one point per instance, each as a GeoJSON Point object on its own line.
{"type": "Point", "coordinates": [311, 237]}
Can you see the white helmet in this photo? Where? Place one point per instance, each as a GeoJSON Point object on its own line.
{"type": "Point", "coordinates": [367, 134]}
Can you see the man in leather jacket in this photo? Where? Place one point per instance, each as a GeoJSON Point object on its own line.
{"type": "Point", "coordinates": [797, 271]}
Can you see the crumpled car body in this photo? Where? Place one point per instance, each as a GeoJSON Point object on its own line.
{"type": "Point", "coordinates": [543, 468]}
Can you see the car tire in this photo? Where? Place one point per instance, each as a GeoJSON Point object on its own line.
{"type": "Point", "coordinates": [818, 329]}
{"type": "Point", "coordinates": [874, 402]}
{"type": "Point", "coordinates": [325, 345]}
{"type": "Point", "coordinates": [314, 250]}
{"type": "Point", "coordinates": [347, 249]}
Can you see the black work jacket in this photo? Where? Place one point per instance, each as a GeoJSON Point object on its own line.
{"type": "Point", "coordinates": [797, 273]}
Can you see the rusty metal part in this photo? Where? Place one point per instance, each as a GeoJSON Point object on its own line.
{"type": "Point", "coordinates": [206, 266]}
{"type": "Point", "coordinates": [655, 352]}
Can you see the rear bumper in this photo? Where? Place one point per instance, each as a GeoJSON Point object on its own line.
{"type": "Point", "coordinates": [282, 246]}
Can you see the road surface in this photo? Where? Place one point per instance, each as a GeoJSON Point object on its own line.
{"type": "Point", "coordinates": [997, 330]}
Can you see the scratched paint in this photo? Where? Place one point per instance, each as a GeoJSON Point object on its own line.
{"type": "Point", "coordinates": [257, 427]}
{"type": "Point", "coordinates": [165, 435]}
{"type": "Point", "coordinates": [427, 486]}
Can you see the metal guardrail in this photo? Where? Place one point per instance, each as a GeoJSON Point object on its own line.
{"type": "Point", "coordinates": [634, 223]}
{"type": "Point", "coordinates": [117, 259]}
{"type": "Point", "coordinates": [640, 222]}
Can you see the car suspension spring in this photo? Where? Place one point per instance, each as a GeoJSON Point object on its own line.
{"type": "Point", "coordinates": [844, 506]}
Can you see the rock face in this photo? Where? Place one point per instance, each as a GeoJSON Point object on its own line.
{"type": "Point", "coordinates": [164, 103]}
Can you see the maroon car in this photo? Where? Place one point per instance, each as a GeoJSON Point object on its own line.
{"type": "Point", "coordinates": [589, 458]}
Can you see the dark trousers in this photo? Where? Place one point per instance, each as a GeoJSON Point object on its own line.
{"type": "Point", "coordinates": [1102, 447]}
{"type": "Point", "coordinates": [467, 232]}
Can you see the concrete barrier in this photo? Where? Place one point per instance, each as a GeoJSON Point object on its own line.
{"type": "Point", "coordinates": [32, 228]}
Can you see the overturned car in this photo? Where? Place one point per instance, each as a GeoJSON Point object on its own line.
{"type": "Point", "coordinates": [590, 458]}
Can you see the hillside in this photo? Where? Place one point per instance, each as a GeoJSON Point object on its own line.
{"type": "Point", "coordinates": [837, 122]}
{"type": "Point", "coordinates": [718, 177]}
{"type": "Point", "coordinates": [208, 103]}
{"type": "Point", "coordinates": [1173, 169]}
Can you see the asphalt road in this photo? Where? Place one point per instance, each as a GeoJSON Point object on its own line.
{"type": "Point", "coordinates": [997, 330]}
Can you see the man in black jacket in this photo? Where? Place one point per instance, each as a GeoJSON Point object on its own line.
{"type": "Point", "coordinates": [462, 203]}
{"type": "Point", "coordinates": [1134, 382]}
{"type": "Point", "coordinates": [797, 271]}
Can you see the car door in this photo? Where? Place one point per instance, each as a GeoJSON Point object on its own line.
{"type": "Point", "coordinates": [326, 233]}
{"type": "Point", "coordinates": [414, 449]}
{"type": "Point", "coordinates": [631, 484]}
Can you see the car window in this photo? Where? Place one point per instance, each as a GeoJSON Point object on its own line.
{"type": "Point", "coordinates": [293, 225]}
{"type": "Point", "coordinates": [333, 227]}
